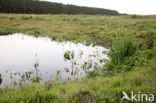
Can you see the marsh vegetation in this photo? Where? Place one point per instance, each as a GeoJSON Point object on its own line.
{"type": "Point", "coordinates": [130, 65]}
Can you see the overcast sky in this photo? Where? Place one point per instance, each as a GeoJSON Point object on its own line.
{"type": "Point", "coordinates": [143, 7]}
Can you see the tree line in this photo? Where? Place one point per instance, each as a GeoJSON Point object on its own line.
{"type": "Point", "coordinates": [45, 7]}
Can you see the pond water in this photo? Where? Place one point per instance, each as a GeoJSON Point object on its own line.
{"type": "Point", "coordinates": [19, 53]}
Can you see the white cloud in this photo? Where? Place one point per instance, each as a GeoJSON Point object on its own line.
{"type": "Point", "coordinates": [144, 7]}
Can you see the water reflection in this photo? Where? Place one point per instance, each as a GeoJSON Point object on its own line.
{"type": "Point", "coordinates": [19, 53]}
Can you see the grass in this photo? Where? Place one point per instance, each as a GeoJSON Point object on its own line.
{"type": "Point", "coordinates": [101, 89]}
{"type": "Point", "coordinates": [78, 28]}
{"type": "Point", "coordinates": [123, 47]}
{"type": "Point", "coordinates": [133, 57]}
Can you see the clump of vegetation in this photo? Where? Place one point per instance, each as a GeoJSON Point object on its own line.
{"type": "Point", "coordinates": [126, 53]}
{"type": "Point", "coordinates": [147, 40]}
{"type": "Point", "coordinates": [26, 17]}
{"type": "Point", "coordinates": [122, 47]}
{"type": "Point", "coordinates": [136, 16]}
{"type": "Point", "coordinates": [68, 55]}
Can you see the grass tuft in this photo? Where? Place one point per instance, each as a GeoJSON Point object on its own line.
{"type": "Point", "coordinates": [122, 47]}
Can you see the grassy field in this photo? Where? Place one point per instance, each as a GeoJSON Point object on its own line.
{"type": "Point", "coordinates": [132, 57]}
{"type": "Point", "coordinates": [79, 28]}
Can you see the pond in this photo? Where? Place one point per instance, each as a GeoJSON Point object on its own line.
{"type": "Point", "coordinates": [20, 53]}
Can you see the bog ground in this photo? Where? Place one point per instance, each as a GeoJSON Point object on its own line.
{"type": "Point", "coordinates": [131, 67]}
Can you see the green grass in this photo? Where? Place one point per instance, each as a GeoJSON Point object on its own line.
{"type": "Point", "coordinates": [133, 62]}
{"type": "Point", "coordinates": [123, 47]}
{"type": "Point", "coordinates": [78, 28]}
{"type": "Point", "coordinates": [101, 89]}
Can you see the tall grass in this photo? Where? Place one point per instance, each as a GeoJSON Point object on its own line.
{"type": "Point", "coordinates": [122, 47]}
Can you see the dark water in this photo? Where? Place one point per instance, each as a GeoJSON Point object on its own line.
{"type": "Point", "coordinates": [19, 53]}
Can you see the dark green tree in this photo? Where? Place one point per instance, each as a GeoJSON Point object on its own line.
{"type": "Point", "coordinates": [44, 7]}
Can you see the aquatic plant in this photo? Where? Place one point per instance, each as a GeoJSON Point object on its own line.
{"type": "Point", "coordinates": [68, 55]}
{"type": "Point", "coordinates": [27, 76]}
{"type": "Point", "coordinates": [37, 78]}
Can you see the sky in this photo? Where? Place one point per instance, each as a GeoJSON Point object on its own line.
{"type": "Point", "coordinates": [141, 7]}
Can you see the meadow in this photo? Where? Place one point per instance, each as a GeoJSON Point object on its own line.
{"type": "Point", "coordinates": [131, 67]}
{"type": "Point", "coordinates": [78, 28]}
